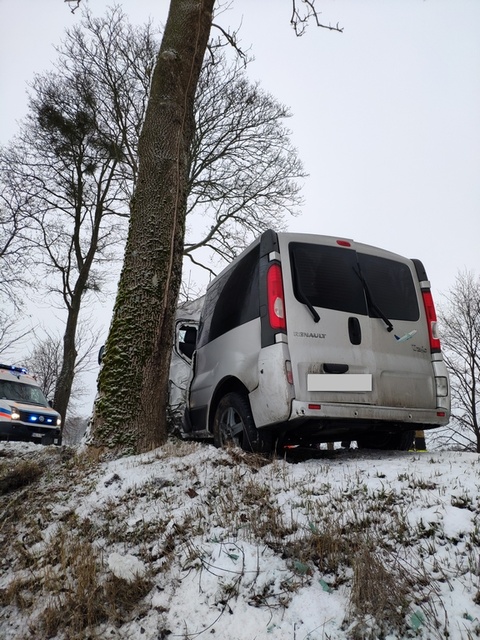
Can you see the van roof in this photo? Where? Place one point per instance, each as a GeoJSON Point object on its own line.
{"type": "Point", "coordinates": [311, 237]}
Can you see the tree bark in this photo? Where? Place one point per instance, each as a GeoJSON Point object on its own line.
{"type": "Point", "coordinates": [130, 411]}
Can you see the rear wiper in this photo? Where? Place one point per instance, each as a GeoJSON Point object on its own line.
{"type": "Point", "coordinates": [308, 304]}
{"type": "Point", "coordinates": [303, 298]}
{"type": "Point", "coordinates": [370, 301]}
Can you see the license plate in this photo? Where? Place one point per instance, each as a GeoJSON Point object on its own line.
{"type": "Point", "coordinates": [37, 435]}
{"type": "Point", "coordinates": [352, 382]}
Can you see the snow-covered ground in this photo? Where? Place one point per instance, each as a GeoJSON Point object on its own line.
{"type": "Point", "coordinates": [190, 542]}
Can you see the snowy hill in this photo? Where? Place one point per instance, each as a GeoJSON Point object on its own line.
{"type": "Point", "coordinates": [192, 542]}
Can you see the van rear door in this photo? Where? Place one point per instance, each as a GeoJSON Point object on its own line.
{"type": "Point", "coordinates": [356, 324]}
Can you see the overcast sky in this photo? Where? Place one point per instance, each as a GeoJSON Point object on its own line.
{"type": "Point", "coordinates": [386, 114]}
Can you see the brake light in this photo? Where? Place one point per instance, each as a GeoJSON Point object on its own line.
{"type": "Point", "coordinates": [431, 320]}
{"type": "Point", "coordinates": [275, 297]}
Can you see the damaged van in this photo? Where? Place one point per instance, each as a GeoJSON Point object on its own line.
{"type": "Point", "coordinates": [309, 338]}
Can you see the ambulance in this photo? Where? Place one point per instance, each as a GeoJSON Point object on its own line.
{"type": "Point", "coordinates": [25, 413]}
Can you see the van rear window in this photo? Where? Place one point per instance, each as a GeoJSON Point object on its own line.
{"type": "Point", "coordinates": [344, 280]}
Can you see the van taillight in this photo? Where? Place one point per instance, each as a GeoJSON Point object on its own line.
{"type": "Point", "coordinates": [276, 301]}
{"type": "Point", "coordinates": [431, 320]}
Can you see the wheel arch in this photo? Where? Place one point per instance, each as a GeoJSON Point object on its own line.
{"type": "Point", "coordinates": [227, 385]}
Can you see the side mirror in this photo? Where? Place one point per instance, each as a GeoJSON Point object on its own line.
{"type": "Point", "coordinates": [101, 353]}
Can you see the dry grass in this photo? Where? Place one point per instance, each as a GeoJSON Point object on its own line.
{"type": "Point", "coordinates": [21, 475]}
{"type": "Point", "coordinates": [348, 538]}
{"type": "Point", "coordinates": [380, 593]}
{"type": "Point", "coordinates": [76, 590]}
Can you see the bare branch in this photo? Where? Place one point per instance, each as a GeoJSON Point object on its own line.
{"type": "Point", "coordinates": [231, 39]}
{"type": "Point", "coordinates": [73, 4]}
{"type": "Point", "coordinates": [301, 16]}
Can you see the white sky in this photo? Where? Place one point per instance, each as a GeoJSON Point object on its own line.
{"type": "Point", "coordinates": [386, 115]}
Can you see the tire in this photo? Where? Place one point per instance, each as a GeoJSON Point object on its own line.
{"type": "Point", "coordinates": [401, 441]}
{"type": "Point", "coordinates": [233, 425]}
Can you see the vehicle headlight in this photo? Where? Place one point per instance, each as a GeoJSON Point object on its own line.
{"type": "Point", "coordinates": [59, 421]}
{"type": "Point", "coordinates": [15, 414]}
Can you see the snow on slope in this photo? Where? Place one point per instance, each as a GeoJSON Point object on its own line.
{"type": "Point", "coordinates": [348, 545]}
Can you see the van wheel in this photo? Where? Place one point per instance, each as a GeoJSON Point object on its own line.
{"type": "Point", "coordinates": [402, 441]}
{"type": "Point", "coordinates": [233, 425]}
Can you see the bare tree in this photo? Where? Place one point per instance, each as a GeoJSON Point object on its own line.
{"type": "Point", "coordinates": [14, 253]}
{"type": "Point", "coordinates": [74, 165]}
{"type": "Point", "coordinates": [130, 412]}
{"type": "Point", "coordinates": [460, 322]}
{"type": "Point", "coordinates": [12, 333]}
{"type": "Point", "coordinates": [14, 261]}
{"type": "Point", "coordinates": [76, 161]}
{"type": "Point", "coordinates": [45, 363]}
{"type": "Point", "coordinates": [243, 171]}
{"type": "Point", "coordinates": [46, 357]}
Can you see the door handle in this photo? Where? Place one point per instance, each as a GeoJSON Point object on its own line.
{"type": "Point", "coordinates": [354, 330]}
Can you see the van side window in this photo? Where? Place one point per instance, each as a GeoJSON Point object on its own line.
{"type": "Point", "coordinates": [232, 300]}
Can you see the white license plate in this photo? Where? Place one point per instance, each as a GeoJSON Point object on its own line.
{"type": "Point", "coordinates": [352, 382]}
{"type": "Point", "coordinates": [37, 435]}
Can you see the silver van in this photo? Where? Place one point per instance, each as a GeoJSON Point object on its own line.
{"type": "Point", "coordinates": [308, 338]}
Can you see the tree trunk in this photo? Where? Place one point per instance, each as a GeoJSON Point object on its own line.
{"type": "Point", "coordinates": [63, 387]}
{"type": "Point", "coordinates": [130, 412]}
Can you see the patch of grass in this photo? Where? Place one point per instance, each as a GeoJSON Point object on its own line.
{"type": "Point", "coordinates": [325, 548]}
{"type": "Point", "coordinates": [21, 592]}
{"type": "Point", "coordinates": [379, 593]}
{"type": "Point", "coordinates": [77, 594]}
{"type": "Point", "coordinates": [23, 474]}
{"type": "Point", "coordinates": [122, 596]}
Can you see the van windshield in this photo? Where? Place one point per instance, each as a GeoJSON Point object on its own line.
{"type": "Point", "coordinates": [328, 277]}
{"type": "Point", "coordinates": [20, 392]}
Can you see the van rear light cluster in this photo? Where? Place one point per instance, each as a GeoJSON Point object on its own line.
{"type": "Point", "coordinates": [275, 297]}
{"type": "Point", "coordinates": [431, 320]}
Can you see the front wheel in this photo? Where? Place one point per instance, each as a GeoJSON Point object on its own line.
{"type": "Point", "coordinates": [234, 425]}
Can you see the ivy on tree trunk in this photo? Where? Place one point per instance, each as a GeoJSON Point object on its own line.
{"type": "Point", "coordinates": [130, 411]}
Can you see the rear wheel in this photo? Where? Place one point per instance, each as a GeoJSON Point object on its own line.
{"type": "Point", "coordinates": [234, 425]}
{"type": "Point", "coordinates": [402, 441]}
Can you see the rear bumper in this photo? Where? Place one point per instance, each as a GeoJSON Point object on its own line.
{"type": "Point", "coordinates": [21, 432]}
{"type": "Point", "coordinates": [358, 413]}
